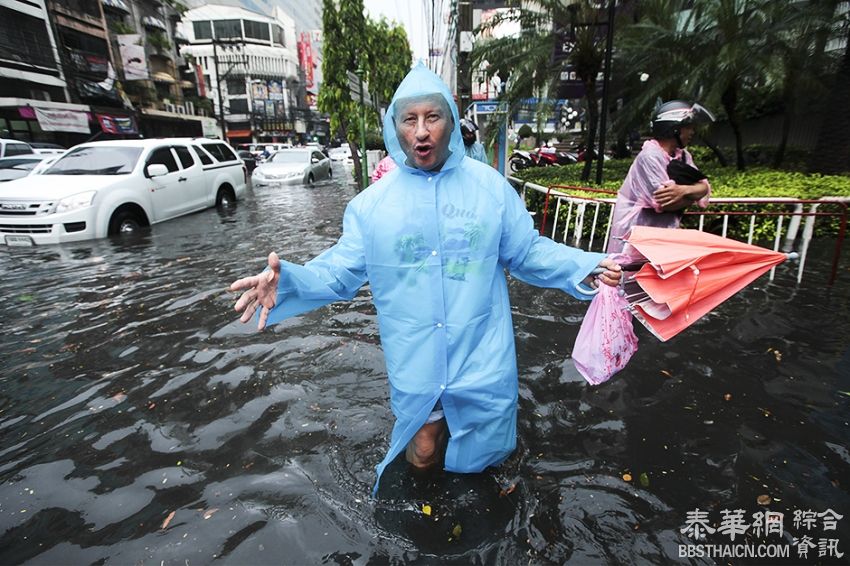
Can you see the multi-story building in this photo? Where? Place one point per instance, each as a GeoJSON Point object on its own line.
{"type": "Point", "coordinates": [35, 102]}
{"type": "Point", "coordinates": [160, 84]}
{"type": "Point", "coordinates": [249, 64]}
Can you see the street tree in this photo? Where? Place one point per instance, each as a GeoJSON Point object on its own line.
{"type": "Point", "coordinates": [353, 41]}
{"type": "Point", "coordinates": [526, 58]}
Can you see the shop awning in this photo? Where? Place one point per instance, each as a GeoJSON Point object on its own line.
{"type": "Point", "coordinates": [239, 133]}
{"type": "Point", "coordinates": [162, 77]}
{"type": "Point", "coordinates": [156, 23]}
{"type": "Point", "coordinates": [117, 5]}
{"type": "Point", "coordinates": [187, 84]}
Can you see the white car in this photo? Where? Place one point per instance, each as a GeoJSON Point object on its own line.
{"type": "Point", "coordinates": [293, 167]}
{"type": "Point", "coordinates": [341, 153]}
{"type": "Point", "coordinates": [111, 187]}
{"type": "Point", "coordinates": [41, 148]}
{"type": "Point", "coordinates": [10, 148]}
{"type": "Point", "coordinates": [12, 168]}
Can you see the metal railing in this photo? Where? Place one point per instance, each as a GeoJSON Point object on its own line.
{"type": "Point", "coordinates": [585, 215]}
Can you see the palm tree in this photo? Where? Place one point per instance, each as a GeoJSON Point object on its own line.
{"type": "Point", "coordinates": [527, 57]}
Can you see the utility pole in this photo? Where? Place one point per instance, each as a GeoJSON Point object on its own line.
{"type": "Point", "coordinates": [463, 42]}
{"type": "Point", "coordinates": [218, 88]}
{"type": "Point", "coordinates": [606, 81]}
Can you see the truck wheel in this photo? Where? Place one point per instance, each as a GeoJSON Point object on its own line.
{"type": "Point", "coordinates": [225, 197]}
{"type": "Point", "coordinates": [124, 222]}
{"type": "Point", "coordinates": [310, 179]}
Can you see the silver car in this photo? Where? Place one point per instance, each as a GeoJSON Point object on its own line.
{"type": "Point", "coordinates": [293, 167]}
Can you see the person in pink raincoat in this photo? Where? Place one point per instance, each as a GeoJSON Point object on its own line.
{"type": "Point", "coordinates": [383, 167]}
{"type": "Point", "coordinates": [648, 196]}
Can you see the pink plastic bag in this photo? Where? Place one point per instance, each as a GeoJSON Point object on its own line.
{"type": "Point", "coordinates": [606, 339]}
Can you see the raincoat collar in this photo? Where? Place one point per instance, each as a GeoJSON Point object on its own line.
{"type": "Point", "coordinates": [420, 81]}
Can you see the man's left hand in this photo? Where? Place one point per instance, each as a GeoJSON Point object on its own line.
{"type": "Point", "coordinates": [611, 275]}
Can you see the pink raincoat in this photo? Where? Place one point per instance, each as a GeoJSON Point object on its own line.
{"type": "Point", "coordinates": [636, 204]}
{"type": "Point", "coordinates": [383, 167]}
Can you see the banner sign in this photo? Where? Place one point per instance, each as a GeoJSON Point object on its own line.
{"type": "Point", "coordinates": [133, 57]}
{"type": "Point", "coordinates": [117, 124]}
{"type": "Point", "coordinates": [62, 120]}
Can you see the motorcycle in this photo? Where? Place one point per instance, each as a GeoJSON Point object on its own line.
{"type": "Point", "coordinates": [520, 160]}
{"type": "Point", "coordinates": [550, 156]}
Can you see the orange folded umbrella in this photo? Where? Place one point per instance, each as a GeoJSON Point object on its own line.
{"type": "Point", "coordinates": [687, 273]}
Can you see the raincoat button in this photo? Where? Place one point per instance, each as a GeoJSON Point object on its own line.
{"type": "Point", "coordinates": [442, 387]}
{"type": "Point", "coordinates": [433, 252]}
{"type": "Point", "coordinates": [429, 179]}
{"type": "Point", "coordinates": [439, 325]}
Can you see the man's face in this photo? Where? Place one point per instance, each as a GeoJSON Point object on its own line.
{"type": "Point", "coordinates": [424, 127]}
{"type": "Point", "coordinates": [686, 134]}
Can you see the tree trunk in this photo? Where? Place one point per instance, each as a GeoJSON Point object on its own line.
{"type": "Point", "coordinates": [592, 121]}
{"type": "Point", "coordinates": [718, 153]}
{"type": "Point", "coordinates": [779, 157]}
{"type": "Point", "coordinates": [730, 104]}
{"type": "Point", "coordinates": [832, 150]}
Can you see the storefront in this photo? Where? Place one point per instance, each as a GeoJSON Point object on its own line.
{"type": "Point", "coordinates": [43, 121]}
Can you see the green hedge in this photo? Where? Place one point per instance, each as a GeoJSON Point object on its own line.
{"type": "Point", "coordinates": [725, 182]}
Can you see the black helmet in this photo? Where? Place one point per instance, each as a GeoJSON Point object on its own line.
{"type": "Point", "coordinates": [668, 118]}
{"type": "Point", "coordinates": [467, 131]}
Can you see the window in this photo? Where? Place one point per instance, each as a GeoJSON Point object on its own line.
{"type": "Point", "coordinates": [97, 160]}
{"type": "Point", "coordinates": [163, 156]}
{"type": "Point", "coordinates": [185, 157]}
{"type": "Point", "coordinates": [202, 155]}
{"type": "Point", "coordinates": [220, 151]}
{"type": "Point", "coordinates": [235, 86]}
{"type": "Point", "coordinates": [225, 29]}
{"type": "Point", "coordinates": [279, 36]}
{"type": "Point", "coordinates": [203, 30]}
{"type": "Point", "coordinates": [24, 39]}
{"type": "Point", "coordinates": [17, 149]}
{"type": "Point", "coordinates": [256, 30]}
{"type": "Point", "coordinates": [317, 155]}
{"type": "Point", "coordinates": [238, 105]}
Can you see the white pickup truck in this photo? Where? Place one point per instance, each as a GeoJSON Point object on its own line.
{"type": "Point", "coordinates": [104, 188]}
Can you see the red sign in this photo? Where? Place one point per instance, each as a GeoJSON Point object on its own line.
{"type": "Point", "coordinates": [305, 58]}
{"type": "Point", "coordinates": [117, 124]}
{"type": "Point", "coordinates": [202, 86]}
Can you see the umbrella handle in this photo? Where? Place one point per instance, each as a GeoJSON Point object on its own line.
{"type": "Point", "coordinates": [586, 290]}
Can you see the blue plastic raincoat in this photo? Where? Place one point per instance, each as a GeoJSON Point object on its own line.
{"type": "Point", "coordinates": [476, 151]}
{"type": "Point", "coordinates": [434, 247]}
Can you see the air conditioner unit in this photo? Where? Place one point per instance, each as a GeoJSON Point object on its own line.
{"type": "Point", "coordinates": [170, 107]}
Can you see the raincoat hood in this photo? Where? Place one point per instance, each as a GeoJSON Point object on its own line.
{"type": "Point", "coordinates": [419, 82]}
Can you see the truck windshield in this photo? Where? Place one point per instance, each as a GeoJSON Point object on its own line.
{"type": "Point", "coordinates": [101, 160]}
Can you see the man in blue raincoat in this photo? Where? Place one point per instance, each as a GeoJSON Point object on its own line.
{"type": "Point", "coordinates": [434, 237]}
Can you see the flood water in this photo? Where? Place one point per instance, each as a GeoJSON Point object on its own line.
{"type": "Point", "coordinates": [141, 423]}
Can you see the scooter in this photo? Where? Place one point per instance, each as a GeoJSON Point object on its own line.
{"type": "Point", "coordinates": [520, 160]}
{"type": "Point", "coordinates": [550, 156]}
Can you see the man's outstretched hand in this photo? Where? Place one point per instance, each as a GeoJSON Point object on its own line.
{"type": "Point", "coordinates": [260, 292]}
{"type": "Point", "coordinates": [611, 275]}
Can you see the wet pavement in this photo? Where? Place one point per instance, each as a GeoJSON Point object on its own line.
{"type": "Point", "coordinates": [141, 423]}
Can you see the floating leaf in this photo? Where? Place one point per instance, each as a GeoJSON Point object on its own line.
{"type": "Point", "coordinates": [457, 530]}
{"type": "Point", "coordinates": [778, 355]}
{"type": "Point", "coordinates": [643, 479]}
{"type": "Point", "coordinates": [727, 397]}
{"type": "Point", "coordinates": [508, 490]}
{"type": "Point", "coordinates": [209, 513]}
{"type": "Point", "coordinates": [764, 500]}
{"type": "Point", "coordinates": [667, 373]}
{"type": "Point", "coordinates": [168, 519]}
{"type": "Point", "coordinates": [426, 509]}
{"type": "Point", "coordinates": [627, 477]}
{"type": "Point", "coordinates": [26, 298]}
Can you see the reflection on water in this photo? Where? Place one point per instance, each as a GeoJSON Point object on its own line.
{"type": "Point", "coordinates": [140, 422]}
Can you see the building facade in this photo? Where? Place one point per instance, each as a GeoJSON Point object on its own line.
{"type": "Point", "coordinates": [249, 63]}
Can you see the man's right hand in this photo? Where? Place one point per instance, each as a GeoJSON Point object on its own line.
{"type": "Point", "coordinates": [260, 292]}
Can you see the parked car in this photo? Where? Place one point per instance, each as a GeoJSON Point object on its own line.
{"type": "Point", "coordinates": [9, 148]}
{"type": "Point", "coordinates": [248, 158]}
{"type": "Point", "coordinates": [12, 168]}
{"type": "Point", "coordinates": [292, 167]}
{"type": "Point", "coordinates": [111, 187]}
{"type": "Point", "coordinates": [42, 148]}
{"type": "Point", "coordinates": [341, 153]}
{"type": "Point", "coordinates": [45, 163]}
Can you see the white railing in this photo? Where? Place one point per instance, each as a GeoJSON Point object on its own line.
{"type": "Point", "coordinates": [573, 228]}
